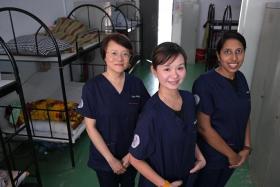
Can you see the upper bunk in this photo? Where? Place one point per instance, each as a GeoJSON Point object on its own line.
{"type": "Point", "coordinates": [68, 39]}
{"type": "Point", "coordinates": [127, 19]}
{"type": "Point", "coordinates": [125, 16]}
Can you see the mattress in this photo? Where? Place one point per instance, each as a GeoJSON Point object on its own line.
{"type": "Point", "coordinates": [41, 131]}
{"type": "Point", "coordinates": [64, 56]}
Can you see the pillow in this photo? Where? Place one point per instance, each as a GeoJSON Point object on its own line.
{"type": "Point", "coordinates": [38, 111]}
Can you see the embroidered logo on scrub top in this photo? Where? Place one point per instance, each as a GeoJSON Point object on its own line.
{"type": "Point", "coordinates": [136, 141]}
{"type": "Point", "coordinates": [81, 104]}
{"type": "Point", "coordinates": [135, 96]}
{"type": "Point", "coordinates": [195, 122]}
{"type": "Point", "coordinates": [248, 95]}
{"type": "Point", "coordinates": [196, 98]}
{"type": "Point", "coordinates": [134, 99]}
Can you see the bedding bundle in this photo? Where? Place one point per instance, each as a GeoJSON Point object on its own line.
{"type": "Point", "coordinates": [73, 30]}
{"type": "Point", "coordinates": [45, 109]}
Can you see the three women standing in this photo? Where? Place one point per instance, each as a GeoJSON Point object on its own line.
{"type": "Point", "coordinates": [164, 148]}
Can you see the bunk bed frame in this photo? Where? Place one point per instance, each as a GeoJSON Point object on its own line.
{"type": "Point", "coordinates": [62, 60]}
{"type": "Point", "coordinates": [108, 29]}
{"type": "Point", "coordinates": [133, 23]}
{"type": "Point", "coordinates": [111, 9]}
{"type": "Point", "coordinates": [6, 87]}
{"type": "Point", "coordinates": [216, 28]}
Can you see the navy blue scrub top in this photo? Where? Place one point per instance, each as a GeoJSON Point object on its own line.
{"type": "Point", "coordinates": [164, 140]}
{"type": "Point", "coordinates": [115, 113]}
{"type": "Point", "coordinates": [229, 110]}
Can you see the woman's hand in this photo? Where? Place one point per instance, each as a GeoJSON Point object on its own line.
{"type": "Point", "coordinates": [244, 155]}
{"type": "Point", "coordinates": [176, 183]}
{"type": "Point", "coordinates": [116, 166]}
{"type": "Point", "coordinates": [199, 164]}
{"type": "Point", "coordinates": [200, 160]}
{"type": "Point", "coordinates": [125, 161]}
{"type": "Point", "coordinates": [102, 147]}
{"type": "Point", "coordinates": [234, 160]}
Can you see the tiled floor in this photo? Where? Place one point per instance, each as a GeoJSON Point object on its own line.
{"type": "Point", "coordinates": [55, 165]}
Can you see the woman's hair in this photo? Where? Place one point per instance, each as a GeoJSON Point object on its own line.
{"type": "Point", "coordinates": [167, 51]}
{"type": "Point", "coordinates": [230, 35]}
{"type": "Point", "coordinates": [120, 39]}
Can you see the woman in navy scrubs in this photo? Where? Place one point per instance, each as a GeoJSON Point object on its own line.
{"type": "Point", "coordinates": [164, 147]}
{"type": "Point", "coordinates": [111, 103]}
{"type": "Point", "coordinates": [223, 99]}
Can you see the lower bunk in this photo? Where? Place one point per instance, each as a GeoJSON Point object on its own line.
{"type": "Point", "coordinates": [45, 131]}
{"type": "Point", "coordinates": [47, 114]}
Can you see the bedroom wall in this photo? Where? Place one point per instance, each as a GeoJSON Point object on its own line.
{"type": "Point", "coordinates": [70, 4]}
{"type": "Point", "coordinates": [23, 25]}
{"type": "Point", "coordinates": [184, 26]}
{"type": "Point", "coordinates": [250, 23]}
{"type": "Point", "coordinates": [40, 8]}
{"type": "Point", "coordinates": [264, 164]}
{"type": "Point", "coordinates": [219, 11]}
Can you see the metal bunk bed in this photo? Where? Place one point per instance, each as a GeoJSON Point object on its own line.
{"type": "Point", "coordinates": [61, 60]}
{"type": "Point", "coordinates": [87, 13]}
{"type": "Point", "coordinates": [118, 18]}
{"type": "Point", "coordinates": [122, 25]}
{"type": "Point", "coordinates": [216, 28]}
{"type": "Point", "coordinates": [7, 87]}
{"type": "Point", "coordinates": [132, 25]}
